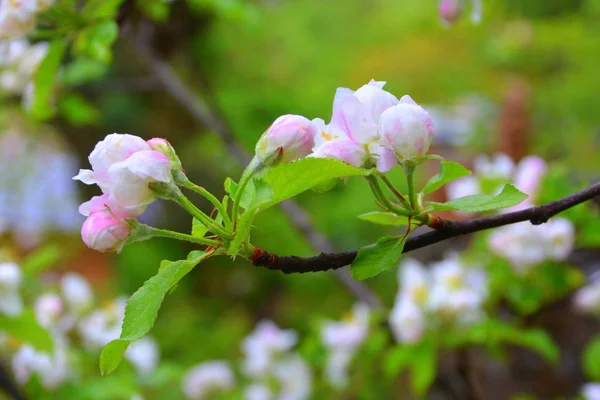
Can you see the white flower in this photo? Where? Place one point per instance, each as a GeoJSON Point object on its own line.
{"type": "Point", "coordinates": [102, 325]}
{"type": "Point", "coordinates": [587, 299]}
{"type": "Point", "coordinates": [500, 166]}
{"type": "Point", "coordinates": [407, 321]}
{"type": "Point", "coordinates": [336, 369]}
{"type": "Point", "coordinates": [10, 283]}
{"type": "Point", "coordinates": [206, 378]}
{"type": "Point", "coordinates": [18, 63]}
{"type": "Point", "coordinates": [17, 18]}
{"type": "Point", "coordinates": [48, 309]}
{"type": "Point", "coordinates": [414, 281]}
{"type": "Point", "coordinates": [294, 377]}
{"type": "Point", "coordinates": [591, 391]}
{"type": "Point", "coordinates": [467, 186]}
{"type": "Point", "coordinates": [144, 354]}
{"type": "Point", "coordinates": [76, 292]}
{"type": "Point", "coordinates": [257, 391]}
{"type": "Point", "coordinates": [52, 370]}
{"type": "Point", "coordinates": [407, 129]}
{"type": "Point", "coordinates": [266, 342]}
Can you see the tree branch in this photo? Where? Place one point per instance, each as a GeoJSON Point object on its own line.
{"type": "Point", "coordinates": [446, 230]}
{"type": "Point", "coordinates": [201, 111]}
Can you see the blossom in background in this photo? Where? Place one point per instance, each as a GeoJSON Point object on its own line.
{"type": "Point", "coordinates": [10, 284]}
{"type": "Point", "coordinates": [450, 292]}
{"type": "Point", "coordinates": [102, 325]}
{"type": "Point", "coordinates": [263, 345]}
{"type": "Point", "coordinates": [144, 355]}
{"type": "Point", "coordinates": [342, 339]}
{"type": "Point", "coordinates": [207, 378]}
{"type": "Point", "coordinates": [294, 377]}
{"type": "Point", "coordinates": [19, 60]}
{"type": "Point", "coordinates": [52, 369]}
{"type": "Point", "coordinates": [289, 138]}
{"type": "Point", "coordinates": [451, 10]}
{"type": "Point", "coordinates": [591, 391]}
{"type": "Point", "coordinates": [77, 293]}
{"type": "Point", "coordinates": [371, 127]}
{"type": "Point", "coordinates": [257, 391]}
{"type": "Point", "coordinates": [48, 308]}
{"type": "Point", "coordinates": [587, 299]}
{"type": "Point", "coordinates": [526, 245]}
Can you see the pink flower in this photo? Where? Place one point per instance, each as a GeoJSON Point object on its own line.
{"type": "Point", "coordinates": [103, 230]}
{"type": "Point", "coordinates": [292, 135]}
{"type": "Point", "coordinates": [450, 10]}
{"type": "Point", "coordinates": [407, 129]}
{"type": "Point", "coordinates": [346, 150]}
{"type": "Point", "coordinates": [529, 174]}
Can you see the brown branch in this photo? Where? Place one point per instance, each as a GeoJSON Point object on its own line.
{"type": "Point", "coordinates": [446, 230]}
{"type": "Point", "coordinates": [202, 112]}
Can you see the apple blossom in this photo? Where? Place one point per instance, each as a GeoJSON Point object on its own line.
{"type": "Point", "coordinates": [204, 379]}
{"type": "Point", "coordinates": [450, 10]}
{"type": "Point", "coordinates": [257, 391]}
{"type": "Point", "coordinates": [163, 146]}
{"type": "Point", "coordinates": [144, 355]}
{"type": "Point", "coordinates": [17, 18]}
{"type": "Point", "coordinates": [289, 138]}
{"type": "Point", "coordinates": [407, 321]}
{"type": "Point", "coordinates": [591, 391]}
{"type": "Point", "coordinates": [52, 369]}
{"type": "Point", "coordinates": [105, 231]}
{"type": "Point", "coordinates": [102, 325]}
{"type": "Point", "coordinates": [76, 292]}
{"type": "Point", "coordinates": [294, 377]}
{"type": "Point", "coordinates": [346, 150]}
{"type": "Point", "coordinates": [49, 308]}
{"type": "Point", "coordinates": [499, 166]}
{"type": "Point", "coordinates": [10, 283]}
{"type": "Point", "coordinates": [262, 345]}
{"type": "Point", "coordinates": [587, 299]}
{"type": "Point", "coordinates": [407, 129]}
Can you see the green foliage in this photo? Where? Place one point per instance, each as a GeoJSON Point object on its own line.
{"type": "Point", "coordinates": [25, 327]}
{"type": "Point", "coordinates": [42, 259]}
{"type": "Point", "coordinates": [591, 359]}
{"type": "Point", "coordinates": [157, 10]}
{"type": "Point", "coordinates": [78, 111]}
{"type": "Point", "coordinates": [449, 171]}
{"type": "Point", "coordinates": [142, 307]}
{"type": "Point", "coordinates": [40, 106]}
{"type": "Point", "coordinates": [290, 179]}
{"type": "Point", "coordinates": [198, 228]}
{"type": "Point", "coordinates": [82, 70]}
{"type": "Point", "coordinates": [95, 41]}
{"type": "Point", "coordinates": [510, 196]}
{"type": "Point", "coordinates": [384, 218]}
{"type": "Point", "coordinates": [242, 233]}
{"type": "Point", "coordinates": [100, 9]}
{"type": "Point", "coordinates": [378, 257]}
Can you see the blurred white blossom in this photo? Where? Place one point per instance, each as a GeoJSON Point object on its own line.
{"type": "Point", "coordinates": [52, 369]}
{"type": "Point", "coordinates": [294, 377]}
{"type": "Point", "coordinates": [207, 378]}
{"type": "Point", "coordinates": [263, 345]}
{"type": "Point", "coordinates": [10, 283]}
{"type": "Point", "coordinates": [19, 60]}
{"type": "Point", "coordinates": [591, 391]}
{"type": "Point", "coordinates": [76, 292]}
{"type": "Point", "coordinates": [257, 391]}
{"type": "Point", "coordinates": [103, 325]}
{"type": "Point", "coordinates": [587, 299]}
{"type": "Point", "coordinates": [144, 355]}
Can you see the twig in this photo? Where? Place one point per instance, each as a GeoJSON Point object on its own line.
{"type": "Point", "coordinates": [203, 114]}
{"type": "Point", "coordinates": [445, 230]}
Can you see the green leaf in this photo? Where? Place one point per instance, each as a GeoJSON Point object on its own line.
{"type": "Point", "coordinates": [112, 354]}
{"type": "Point", "coordinates": [397, 359]}
{"type": "Point", "coordinates": [242, 232]}
{"type": "Point", "coordinates": [82, 70]}
{"type": "Point", "coordinates": [290, 179]}
{"type": "Point", "coordinates": [376, 258]}
{"type": "Point", "coordinates": [590, 233]}
{"type": "Point", "coordinates": [96, 41]}
{"type": "Point", "coordinates": [101, 9]}
{"type": "Point", "coordinates": [510, 196]}
{"type": "Point", "coordinates": [248, 196]}
{"type": "Point", "coordinates": [591, 360]}
{"type": "Point", "coordinates": [78, 111]}
{"type": "Point", "coordinates": [540, 341]}
{"type": "Point", "coordinates": [449, 171]}
{"type": "Point", "coordinates": [198, 228]}
{"type": "Point", "coordinates": [142, 307]}
{"type": "Point", "coordinates": [41, 259]}
{"type": "Point", "coordinates": [384, 218]}
{"type": "Point", "coordinates": [423, 366]}
{"type": "Point", "coordinates": [25, 327]}
{"type": "Point", "coordinates": [44, 78]}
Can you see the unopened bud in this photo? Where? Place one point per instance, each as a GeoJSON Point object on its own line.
{"type": "Point", "coordinates": [289, 138]}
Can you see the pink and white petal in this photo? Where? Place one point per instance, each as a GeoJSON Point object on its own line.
{"type": "Point", "coordinates": [406, 99]}
{"type": "Point", "coordinates": [355, 120]}
{"type": "Point", "coordinates": [387, 160]}
{"type": "Point", "coordinates": [114, 148]}
{"type": "Point", "coordinates": [85, 176]}
{"type": "Point", "coordinates": [151, 165]}
{"type": "Point", "coordinates": [340, 95]}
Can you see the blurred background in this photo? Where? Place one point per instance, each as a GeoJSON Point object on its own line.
{"type": "Point", "coordinates": [522, 81]}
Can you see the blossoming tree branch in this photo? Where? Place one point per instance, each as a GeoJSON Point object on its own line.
{"type": "Point", "coordinates": [371, 132]}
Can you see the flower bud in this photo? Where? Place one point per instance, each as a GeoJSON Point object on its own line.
{"type": "Point", "coordinates": [104, 231]}
{"type": "Point", "coordinates": [450, 10]}
{"type": "Point", "coordinates": [289, 138]}
{"type": "Point", "coordinates": [347, 151]}
{"type": "Point", "coordinates": [407, 129]}
{"type": "Point", "coordinates": [163, 146]}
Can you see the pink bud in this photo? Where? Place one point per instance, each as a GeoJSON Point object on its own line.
{"type": "Point", "coordinates": [104, 231]}
{"type": "Point", "coordinates": [292, 135]}
{"type": "Point", "coordinates": [450, 10]}
{"type": "Point", "coordinates": [163, 146]}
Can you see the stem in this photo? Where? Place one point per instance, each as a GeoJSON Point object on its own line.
{"type": "Point", "coordinates": [391, 186]}
{"type": "Point", "coordinates": [210, 197]}
{"type": "Point", "coordinates": [203, 218]}
{"type": "Point", "coordinates": [379, 195]}
{"type": "Point", "coordinates": [412, 195]}
{"type": "Point", "coordinates": [254, 166]}
{"type": "Point", "coordinates": [182, 236]}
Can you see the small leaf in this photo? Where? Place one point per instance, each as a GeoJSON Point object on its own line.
{"type": "Point", "coordinates": [231, 187]}
{"type": "Point", "coordinates": [101, 9]}
{"type": "Point", "coordinates": [290, 179]}
{"type": "Point", "coordinates": [384, 218]}
{"type": "Point", "coordinates": [510, 196]}
{"type": "Point", "coordinates": [95, 41]}
{"type": "Point", "coordinates": [449, 171]}
{"type": "Point", "coordinates": [591, 360]}
{"type": "Point", "coordinates": [198, 228]}
{"type": "Point", "coordinates": [25, 327]}
{"type": "Point", "coordinates": [242, 232]}
{"type": "Point", "coordinates": [112, 354]}
{"type": "Point", "coordinates": [142, 307]}
{"type": "Point", "coordinates": [82, 70]}
{"type": "Point", "coordinates": [40, 106]}
{"type": "Point", "coordinates": [397, 359]}
{"type": "Point", "coordinates": [540, 341]}
{"type": "Point", "coordinates": [376, 258]}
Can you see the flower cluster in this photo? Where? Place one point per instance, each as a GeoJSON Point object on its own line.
{"type": "Point", "coordinates": [369, 127]}
{"type": "Point", "coordinates": [19, 60]}
{"type": "Point", "coordinates": [342, 339]}
{"type": "Point", "coordinates": [451, 293]}
{"type": "Point", "coordinates": [67, 314]}
{"type": "Point", "coordinates": [124, 167]}
{"type": "Point", "coordinates": [491, 173]}
{"type": "Point", "coordinates": [18, 17]}
{"type": "Point", "coordinates": [274, 371]}
{"type": "Point", "coordinates": [526, 245]}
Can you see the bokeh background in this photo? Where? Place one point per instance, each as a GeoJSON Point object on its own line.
{"type": "Point", "coordinates": [523, 81]}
